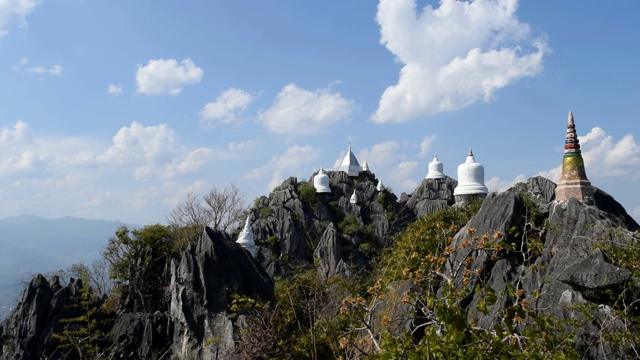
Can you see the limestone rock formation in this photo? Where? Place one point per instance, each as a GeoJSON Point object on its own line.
{"type": "Point", "coordinates": [201, 287]}
{"type": "Point", "coordinates": [27, 332]}
{"type": "Point", "coordinates": [567, 270]}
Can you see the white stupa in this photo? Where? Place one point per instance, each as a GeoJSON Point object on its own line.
{"type": "Point", "coordinates": [365, 166]}
{"type": "Point", "coordinates": [380, 187]}
{"type": "Point", "coordinates": [350, 164]}
{"type": "Point", "coordinates": [435, 169]}
{"type": "Point", "coordinates": [245, 239]}
{"type": "Point", "coordinates": [321, 182]}
{"type": "Point", "coordinates": [470, 180]}
{"type": "Point", "coordinates": [354, 198]}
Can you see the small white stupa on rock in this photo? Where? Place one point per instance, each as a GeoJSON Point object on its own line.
{"type": "Point", "coordinates": [321, 182]}
{"type": "Point", "coordinates": [470, 180]}
{"type": "Point", "coordinates": [435, 169]}
{"type": "Point", "coordinates": [354, 198]}
{"type": "Point", "coordinates": [245, 239]}
{"type": "Point", "coordinates": [380, 187]}
{"type": "Point", "coordinates": [350, 164]}
{"type": "Point", "coordinates": [365, 166]}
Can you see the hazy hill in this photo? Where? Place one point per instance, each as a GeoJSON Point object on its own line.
{"type": "Point", "coordinates": [31, 244]}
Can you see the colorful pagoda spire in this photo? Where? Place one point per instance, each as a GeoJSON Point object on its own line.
{"type": "Point", "coordinates": [573, 182]}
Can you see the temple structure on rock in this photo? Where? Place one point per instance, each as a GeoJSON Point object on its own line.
{"type": "Point", "coordinates": [573, 181]}
{"type": "Point", "coordinates": [354, 198]}
{"type": "Point", "coordinates": [435, 169]}
{"type": "Point", "coordinates": [470, 180]}
{"type": "Point", "coordinates": [350, 164]}
{"type": "Point", "coordinates": [245, 239]}
{"type": "Point", "coordinates": [321, 182]}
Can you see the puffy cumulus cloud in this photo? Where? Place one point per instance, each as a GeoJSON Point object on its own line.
{"type": "Point", "coordinates": [426, 145]}
{"type": "Point", "coordinates": [226, 108]}
{"type": "Point", "coordinates": [498, 184]}
{"type": "Point", "coordinates": [454, 55]}
{"type": "Point", "coordinates": [139, 142]}
{"type": "Point", "coordinates": [14, 10]}
{"type": "Point", "coordinates": [153, 150]}
{"type": "Point", "coordinates": [299, 111]}
{"type": "Point", "coordinates": [604, 157]}
{"type": "Point", "coordinates": [21, 155]}
{"type": "Point", "coordinates": [403, 176]}
{"type": "Point", "coordinates": [114, 89]}
{"type": "Point", "coordinates": [190, 164]}
{"type": "Point", "coordinates": [295, 160]}
{"type": "Point", "coordinates": [166, 76]}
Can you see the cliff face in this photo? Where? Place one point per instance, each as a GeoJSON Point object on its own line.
{"type": "Point", "coordinates": [202, 283]}
{"type": "Point", "coordinates": [294, 226]}
{"type": "Point", "coordinates": [565, 269]}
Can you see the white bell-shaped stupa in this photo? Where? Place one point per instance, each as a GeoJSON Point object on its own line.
{"type": "Point", "coordinates": [380, 187]}
{"type": "Point", "coordinates": [354, 198]}
{"type": "Point", "coordinates": [435, 169]}
{"type": "Point", "coordinates": [350, 164]}
{"type": "Point", "coordinates": [365, 166]}
{"type": "Point", "coordinates": [321, 182]}
{"type": "Point", "coordinates": [245, 239]}
{"type": "Point", "coordinates": [470, 179]}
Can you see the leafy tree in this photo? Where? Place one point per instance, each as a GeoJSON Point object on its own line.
{"type": "Point", "coordinates": [138, 260]}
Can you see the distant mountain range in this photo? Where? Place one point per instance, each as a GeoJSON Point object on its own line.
{"type": "Point", "coordinates": [31, 244]}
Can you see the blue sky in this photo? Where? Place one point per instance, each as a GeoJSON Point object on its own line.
{"type": "Point", "coordinates": [118, 109]}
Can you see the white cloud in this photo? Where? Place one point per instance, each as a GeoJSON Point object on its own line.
{"type": "Point", "coordinates": [248, 145]}
{"type": "Point", "coordinates": [454, 55]}
{"type": "Point", "coordinates": [636, 213]}
{"type": "Point", "coordinates": [54, 70]}
{"type": "Point", "coordinates": [498, 184]}
{"type": "Point", "coordinates": [295, 160]}
{"type": "Point", "coordinates": [168, 76]}
{"type": "Point", "coordinates": [20, 67]}
{"type": "Point", "coordinates": [114, 89]}
{"type": "Point", "coordinates": [226, 107]}
{"type": "Point", "coordinates": [426, 144]}
{"type": "Point", "coordinates": [403, 176]}
{"type": "Point", "coordinates": [604, 157]}
{"type": "Point", "coordinates": [191, 163]}
{"type": "Point", "coordinates": [300, 111]}
{"type": "Point", "coordinates": [17, 10]}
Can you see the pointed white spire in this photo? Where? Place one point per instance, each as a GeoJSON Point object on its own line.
{"type": "Point", "coordinates": [350, 164]}
{"type": "Point", "coordinates": [365, 166]}
{"type": "Point", "coordinates": [245, 239]}
{"type": "Point", "coordinates": [380, 187]}
{"type": "Point", "coordinates": [354, 198]}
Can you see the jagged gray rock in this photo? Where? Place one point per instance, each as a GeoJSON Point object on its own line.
{"type": "Point", "coordinates": [432, 195]}
{"type": "Point", "coordinates": [201, 287]}
{"type": "Point", "coordinates": [568, 271]}
{"type": "Point", "coordinates": [27, 332]}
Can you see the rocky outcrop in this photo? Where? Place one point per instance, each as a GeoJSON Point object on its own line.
{"type": "Point", "coordinates": [553, 264]}
{"type": "Point", "coordinates": [196, 325]}
{"type": "Point", "coordinates": [27, 332]}
{"type": "Point", "coordinates": [202, 284]}
{"type": "Point", "coordinates": [432, 195]}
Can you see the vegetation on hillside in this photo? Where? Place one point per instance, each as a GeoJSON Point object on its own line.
{"type": "Point", "coordinates": [413, 304]}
